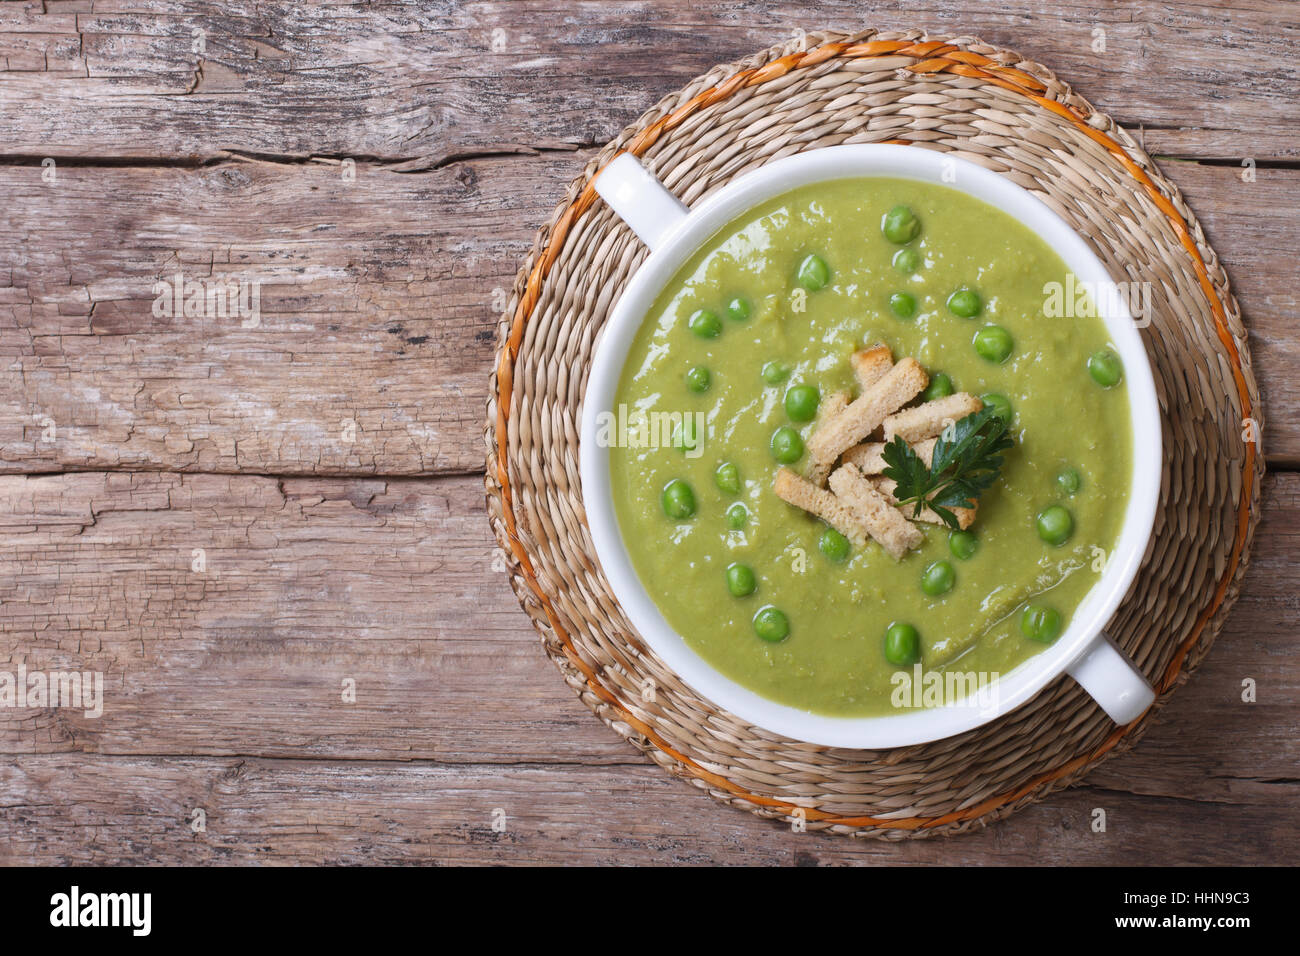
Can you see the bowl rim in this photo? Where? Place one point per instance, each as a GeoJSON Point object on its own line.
{"type": "Point", "coordinates": [780, 176]}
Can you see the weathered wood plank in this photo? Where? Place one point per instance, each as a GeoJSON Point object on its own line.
{"type": "Point", "coordinates": [311, 581]}
{"type": "Point", "coordinates": [378, 306]}
{"type": "Point", "coordinates": [1258, 242]}
{"type": "Point", "coordinates": [448, 77]}
{"type": "Point", "coordinates": [142, 811]}
{"type": "Point", "coordinates": [304, 584]}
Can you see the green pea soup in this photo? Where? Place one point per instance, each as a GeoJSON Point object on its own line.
{"type": "Point", "coordinates": [794, 287]}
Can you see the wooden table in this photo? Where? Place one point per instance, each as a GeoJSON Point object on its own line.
{"type": "Point", "coordinates": [239, 522]}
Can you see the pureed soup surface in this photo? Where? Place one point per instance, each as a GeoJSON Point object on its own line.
{"type": "Point", "coordinates": [832, 660]}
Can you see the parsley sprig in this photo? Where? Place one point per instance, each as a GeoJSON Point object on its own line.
{"type": "Point", "coordinates": [966, 461]}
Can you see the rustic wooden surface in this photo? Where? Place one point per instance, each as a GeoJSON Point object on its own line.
{"type": "Point", "coordinates": [327, 462]}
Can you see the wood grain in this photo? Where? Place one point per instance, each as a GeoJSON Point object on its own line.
{"type": "Point", "coordinates": [142, 810]}
{"type": "Point", "coordinates": [311, 581]}
{"type": "Point", "coordinates": [304, 584]}
{"type": "Point", "coordinates": [379, 299]}
{"type": "Point", "coordinates": [446, 78]}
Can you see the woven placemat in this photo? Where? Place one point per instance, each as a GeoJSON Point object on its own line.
{"type": "Point", "coordinates": [988, 106]}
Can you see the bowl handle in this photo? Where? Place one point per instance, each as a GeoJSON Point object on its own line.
{"type": "Point", "coordinates": [1106, 673]}
{"type": "Point", "coordinates": [640, 200]}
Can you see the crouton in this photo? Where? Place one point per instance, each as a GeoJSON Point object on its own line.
{"type": "Point", "coordinates": [865, 414]}
{"type": "Point", "coordinates": [802, 493]}
{"type": "Point", "coordinates": [871, 364]}
{"type": "Point", "coordinates": [930, 419]}
{"type": "Point", "coordinates": [831, 406]}
{"type": "Point", "coordinates": [870, 456]}
{"type": "Point", "coordinates": [883, 521]}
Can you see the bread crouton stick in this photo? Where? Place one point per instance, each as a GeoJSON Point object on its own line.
{"type": "Point", "coordinates": [831, 406]}
{"type": "Point", "coordinates": [894, 389]}
{"type": "Point", "coordinates": [882, 520]}
{"type": "Point", "coordinates": [930, 419]}
{"type": "Point", "coordinates": [870, 456]}
{"type": "Point", "coordinates": [965, 516]}
{"type": "Point", "coordinates": [871, 364]}
{"type": "Point", "coordinates": [818, 501]}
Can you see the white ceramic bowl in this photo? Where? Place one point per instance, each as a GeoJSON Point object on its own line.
{"type": "Point", "coordinates": [673, 232]}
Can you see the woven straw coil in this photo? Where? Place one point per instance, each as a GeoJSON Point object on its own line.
{"type": "Point", "coordinates": [987, 105]}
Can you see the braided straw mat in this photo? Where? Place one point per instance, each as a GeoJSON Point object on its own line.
{"type": "Point", "coordinates": [986, 105]}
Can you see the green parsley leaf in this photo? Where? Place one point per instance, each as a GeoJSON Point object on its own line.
{"type": "Point", "coordinates": [966, 461]}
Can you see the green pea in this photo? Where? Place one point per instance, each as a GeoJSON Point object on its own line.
{"type": "Point", "coordinates": [902, 644]}
{"type": "Point", "coordinates": [1055, 525]}
{"type": "Point", "coordinates": [965, 303]}
{"type": "Point", "coordinates": [727, 478]}
{"type": "Point", "coordinates": [993, 343]}
{"type": "Point", "coordinates": [999, 403]}
{"type": "Point", "coordinates": [963, 544]}
{"type": "Point", "coordinates": [903, 304]}
{"type": "Point", "coordinates": [740, 580]}
{"type": "Point", "coordinates": [697, 379]}
{"type": "Point", "coordinates": [678, 500]}
{"type": "Point", "coordinates": [686, 435]}
{"type": "Point", "coordinates": [938, 578]}
{"type": "Point", "coordinates": [705, 324]}
{"type": "Point", "coordinates": [1070, 481]}
{"type": "Point", "coordinates": [834, 545]}
{"type": "Point", "coordinates": [1105, 368]}
{"type": "Point", "coordinates": [774, 373]}
{"type": "Point", "coordinates": [813, 273]}
{"type": "Point", "coordinates": [940, 387]}
{"type": "Point", "coordinates": [787, 446]}
{"type": "Point", "coordinates": [736, 516]}
{"type": "Point", "coordinates": [801, 402]}
{"type": "Point", "coordinates": [907, 261]}
{"type": "Point", "coordinates": [738, 309]}
{"type": "Point", "coordinates": [771, 624]}
{"type": "Point", "coordinates": [1040, 623]}
{"type": "Point", "coordinates": [900, 225]}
